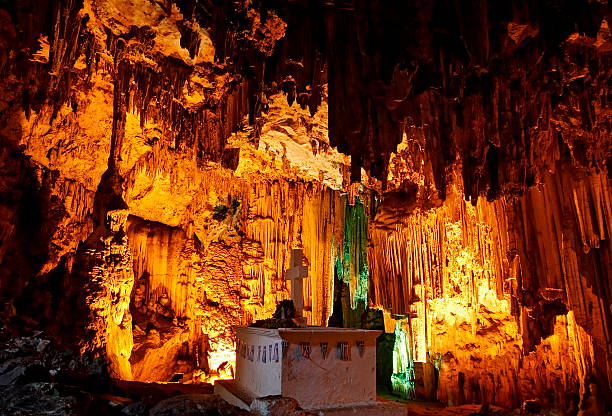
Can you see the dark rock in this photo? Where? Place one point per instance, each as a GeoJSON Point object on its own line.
{"type": "Point", "coordinates": [274, 323]}
{"type": "Point", "coordinates": [23, 371]}
{"type": "Point", "coordinates": [285, 310]}
{"type": "Point", "coordinates": [194, 405]}
{"type": "Point", "coordinates": [36, 399]}
{"type": "Point", "coordinates": [10, 374]}
{"type": "Point", "coordinates": [135, 409]}
{"type": "Point", "coordinates": [532, 406]}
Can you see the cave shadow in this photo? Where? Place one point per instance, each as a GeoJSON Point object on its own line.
{"type": "Point", "coordinates": [33, 213]}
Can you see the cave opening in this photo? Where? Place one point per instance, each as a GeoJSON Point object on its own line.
{"type": "Point", "coordinates": [339, 204]}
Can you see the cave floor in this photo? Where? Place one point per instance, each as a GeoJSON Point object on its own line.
{"type": "Point", "coordinates": [423, 408]}
{"type": "Point", "coordinates": [152, 393]}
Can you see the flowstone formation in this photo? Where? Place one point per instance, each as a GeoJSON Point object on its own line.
{"type": "Point", "coordinates": [443, 166]}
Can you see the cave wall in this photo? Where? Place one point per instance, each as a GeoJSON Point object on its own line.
{"type": "Point", "coordinates": [144, 217]}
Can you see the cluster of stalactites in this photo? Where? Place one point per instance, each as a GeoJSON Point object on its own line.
{"type": "Point", "coordinates": [520, 263]}
{"type": "Point", "coordinates": [202, 285]}
{"type": "Point", "coordinates": [286, 215]}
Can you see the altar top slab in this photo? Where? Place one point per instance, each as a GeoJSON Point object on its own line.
{"type": "Point", "coordinates": [293, 334]}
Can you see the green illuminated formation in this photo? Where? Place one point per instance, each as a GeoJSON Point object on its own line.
{"type": "Point", "coordinates": [403, 376]}
{"type": "Point", "coordinates": [352, 265]}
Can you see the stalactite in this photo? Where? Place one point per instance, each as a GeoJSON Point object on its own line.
{"type": "Point", "coordinates": [468, 90]}
{"type": "Point", "coordinates": [210, 281]}
{"type": "Point", "coordinates": [155, 250]}
{"type": "Point", "coordinates": [320, 227]}
{"type": "Point", "coordinates": [203, 130]}
{"type": "Point", "coordinates": [484, 271]}
{"type": "Point", "coordinates": [49, 80]}
{"type": "Point", "coordinates": [298, 215]}
{"type": "Point", "coordinates": [352, 261]}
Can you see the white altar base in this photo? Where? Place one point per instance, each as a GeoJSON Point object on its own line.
{"type": "Point", "coordinates": [330, 371]}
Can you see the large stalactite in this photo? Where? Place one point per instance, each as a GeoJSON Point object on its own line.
{"type": "Point", "coordinates": [446, 163]}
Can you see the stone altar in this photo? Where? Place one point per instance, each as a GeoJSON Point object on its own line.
{"type": "Point", "coordinates": [329, 371]}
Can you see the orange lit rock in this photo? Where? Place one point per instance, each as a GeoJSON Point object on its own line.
{"type": "Point", "coordinates": [159, 160]}
{"type": "Point", "coordinates": [105, 271]}
{"type": "Point", "coordinates": [491, 308]}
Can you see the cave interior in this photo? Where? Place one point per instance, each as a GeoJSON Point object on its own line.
{"type": "Point", "coordinates": [445, 167]}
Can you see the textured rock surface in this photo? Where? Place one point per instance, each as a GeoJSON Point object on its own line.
{"type": "Point", "coordinates": [494, 308]}
{"type": "Point", "coordinates": [54, 381]}
{"type": "Point", "coordinates": [194, 405]}
{"type": "Point", "coordinates": [159, 159]}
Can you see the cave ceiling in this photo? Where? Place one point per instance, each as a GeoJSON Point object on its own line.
{"type": "Point", "coordinates": [503, 91]}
